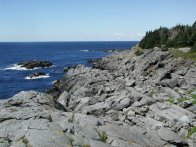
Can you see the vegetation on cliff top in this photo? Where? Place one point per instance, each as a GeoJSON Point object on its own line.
{"type": "Point", "coordinates": [178, 36]}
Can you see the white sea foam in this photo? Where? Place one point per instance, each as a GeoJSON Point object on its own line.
{"type": "Point", "coordinates": [38, 77]}
{"type": "Point", "coordinates": [18, 67]}
{"type": "Point", "coordinates": [84, 50]}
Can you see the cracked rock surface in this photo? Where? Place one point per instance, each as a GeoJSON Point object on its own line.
{"type": "Point", "coordinates": [124, 101]}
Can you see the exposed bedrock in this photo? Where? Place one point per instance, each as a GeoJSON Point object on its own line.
{"type": "Point", "coordinates": [125, 100]}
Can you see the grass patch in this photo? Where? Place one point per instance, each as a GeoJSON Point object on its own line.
{"type": "Point", "coordinates": [193, 96]}
{"type": "Point", "coordinates": [191, 132]}
{"type": "Point", "coordinates": [171, 100]}
{"type": "Point", "coordinates": [194, 102]}
{"type": "Point", "coordinates": [190, 91]}
{"type": "Point", "coordinates": [183, 99]}
{"type": "Point", "coordinates": [87, 145]}
{"type": "Point", "coordinates": [103, 136]}
{"type": "Point", "coordinates": [176, 53]}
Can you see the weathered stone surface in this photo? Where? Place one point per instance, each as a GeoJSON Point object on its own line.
{"type": "Point", "coordinates": [25, 121]}
{"type": "Point", "coordinates": [125, 100]}
{"type": "Point", "coordinates": [96, 109]}
{"type": "Point", "coordinates": [63, 98]}
{"type": "Point", "coordinates": [169, 136]}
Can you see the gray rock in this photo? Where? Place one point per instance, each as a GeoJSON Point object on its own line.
{"type": "Point", "coordinates": [130, 82]}
{"type": "Point", "coordinates": [169, 92]}
{"type": "Point", "coordinates": [181, 82]}
{"type": "Point", "coordinates": [133, 100]}
{"type": "Point", "coordinates": [46, 134]}
{"type": "Point", "coordinates": [84, 102]}
{"type": "Point", "coordinates": [96, 109]}
{"type": "Point", "coordinates": [123, 103]}
{"type": "Point", "coordinates": [4, 142]}
{"type": "Point", "coordinates": [192, 108]}
{"type": "Point", "coordinates": [186, 104]}
{"type": "Point", "coordinates": [169, 136]}
{"type": "Point", "coordinates": [193, 137]}
{"type": "Point", "coordinates": [172, 83]}
{"type": "Point", "coordinates": [63, 99]}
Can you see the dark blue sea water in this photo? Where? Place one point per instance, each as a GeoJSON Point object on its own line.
{"type": "Point", "coordinates": [61, 54]}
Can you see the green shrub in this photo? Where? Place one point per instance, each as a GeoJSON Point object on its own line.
{"type": "Point", "coordinates": [194, 98]}
{"type": "Point", "coordinates": [138, 52]}
{"type": "Point", "coordinates": [183, 99]}
{"type": "Point", "coordinates": [176, 54]}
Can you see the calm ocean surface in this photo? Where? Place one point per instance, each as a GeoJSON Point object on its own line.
{"type": "Point", "coordinates": [61, 54]}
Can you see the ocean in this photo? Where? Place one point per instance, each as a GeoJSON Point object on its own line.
{"type": "Point", "coordinates": [13, 79]}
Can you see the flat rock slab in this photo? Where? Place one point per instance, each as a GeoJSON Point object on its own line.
{"type": "Point", "coordinates": [169, 136]}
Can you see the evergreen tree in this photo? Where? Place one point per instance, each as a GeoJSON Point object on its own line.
{"type": "Point", "coordinates": [178, 36]}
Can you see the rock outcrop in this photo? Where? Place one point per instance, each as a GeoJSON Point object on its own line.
{"type": "Point", "coordinates": [125, 100]}
{"type": "Point", "coordinates": [37, 75]}
{"type": "Point", "coordinates": [35, 64]}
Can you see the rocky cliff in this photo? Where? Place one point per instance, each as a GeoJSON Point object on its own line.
{"type": "Point", "coordinates": [124, 100]}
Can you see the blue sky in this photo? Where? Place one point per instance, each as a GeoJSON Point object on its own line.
{"type": "Point", "coordinates": [89, 20]}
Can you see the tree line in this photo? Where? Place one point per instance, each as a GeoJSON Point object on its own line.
{"type": "Point", "coordinates": [178, 36]}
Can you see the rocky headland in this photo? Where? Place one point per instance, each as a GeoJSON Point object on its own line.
{"type": "Point", "coordinates": [125, 99]}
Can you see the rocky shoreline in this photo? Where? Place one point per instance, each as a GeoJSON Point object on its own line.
{"type": "Point", "coordinates": [124, 100]}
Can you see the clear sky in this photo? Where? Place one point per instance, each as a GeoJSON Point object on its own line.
{"type": "Point", "coordinates": [89, 20]}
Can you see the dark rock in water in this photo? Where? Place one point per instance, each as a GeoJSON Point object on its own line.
{"type": "Point", "coordinates": [33, 64]}
{"type": "Point", "coordinates": [37, 74]}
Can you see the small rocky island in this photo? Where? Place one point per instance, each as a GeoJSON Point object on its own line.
{"type": "Point", "coordinates": [134, 98]}
{"type": "Point", "coordinates": [35, 64]}
{"type": "Point", "coordinates": [37, 75]}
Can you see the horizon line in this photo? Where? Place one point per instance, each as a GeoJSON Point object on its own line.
{"type": "Point", "coordinates": [73, 41]}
